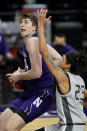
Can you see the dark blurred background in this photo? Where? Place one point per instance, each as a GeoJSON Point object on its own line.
{"type": "Point", "coordinates": [68, 16]}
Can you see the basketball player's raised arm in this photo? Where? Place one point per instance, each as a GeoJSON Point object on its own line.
{"type": "Point", "coordinates": [35, 60]}
{"type": "Point", "coordinates": [57, 58]}
{"type": "Point", "coordinates": [46, 54]}
{"type": "Point", "coordinates": [85, 99]}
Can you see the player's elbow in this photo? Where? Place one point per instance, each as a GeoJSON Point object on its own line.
{"type": "Point", "coordinates": [38, 73]}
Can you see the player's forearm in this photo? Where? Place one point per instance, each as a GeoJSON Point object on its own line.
{"type": "Point", "coordinates": [44, 47]}
{"type": "Point", "coordinates": [42, 41]}
{"type": "Point", "coordinates": [55, 55]}
{"type": "Point", "coordinates": [29, 75]}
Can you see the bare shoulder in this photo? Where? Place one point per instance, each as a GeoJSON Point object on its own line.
{"type": "Point", "coordinates": [32, 45]}
{"type": "Point", "coordinates": [33, 39]}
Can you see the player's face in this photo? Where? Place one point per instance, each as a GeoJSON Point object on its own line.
{"type": "Point", "coordinates": [26, 27]}
{"type": "Point", "coordinates": [64, 65]}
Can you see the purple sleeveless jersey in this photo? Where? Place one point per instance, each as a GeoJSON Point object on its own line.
{"type": "Point", "coordinates": [46, 80]}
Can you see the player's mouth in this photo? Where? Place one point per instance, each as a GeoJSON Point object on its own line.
{"type": "Point", "coordinates": [23, 30]}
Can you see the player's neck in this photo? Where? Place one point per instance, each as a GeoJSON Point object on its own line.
{"type": "Point", "coordinates": [28, 37]}
{"type": "Point", "coordinates": [67, 70]}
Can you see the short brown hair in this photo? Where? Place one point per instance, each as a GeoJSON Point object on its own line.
{"type": "Point", "coordinates": [31, 17]}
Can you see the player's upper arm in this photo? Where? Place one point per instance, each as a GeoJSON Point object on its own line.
{"type": "Point", "coordinates": [55, 55]}
{"type": "Point", "coordinates": [85, 95]}
{"type": "Point", "coordinates": [85, 99]}
{"type": "Point", "coordinates": [58, 73]}
{"type": "Point", "coordinates": [35, 57]}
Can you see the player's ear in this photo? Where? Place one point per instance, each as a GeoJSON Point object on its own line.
{"type": "Point", "coordinates": [68, 66]}
{"type": "Point", "coordinates": [34, 28]}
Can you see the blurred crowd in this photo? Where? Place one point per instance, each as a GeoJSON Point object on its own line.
{"type": "Point", "coordinates": [10, 60]}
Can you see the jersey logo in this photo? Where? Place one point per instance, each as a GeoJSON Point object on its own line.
{"type": "Point", "coordinates": [37, 102]}
{"type": "Point", "coordinates": [26, 65]}
{"type": "Point", "coordinates": [79, 93]}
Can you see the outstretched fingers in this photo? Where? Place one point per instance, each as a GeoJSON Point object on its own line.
{"type": "Point", "coordinates": [49, 18]}
{"type": "Point", "coordinates": [42, 15]}
{"type": "Point", "coordinates": [9, 75]}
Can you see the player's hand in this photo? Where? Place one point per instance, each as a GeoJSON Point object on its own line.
{"type": "Point", "coordinates": [14, 77]}
{"type": "Point", "coordinates": [21, 70]}
{"type": "Point", "coordinates": [42, 16]}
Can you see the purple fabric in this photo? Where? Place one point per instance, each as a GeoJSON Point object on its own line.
{"type": "Point", "coordinates": [51, 112]}
{"type": "Point", "coordinates": [3, 45]}
{"type": "Point", "coordinates": [35, 104]}
{"type": "Point", "coordinates": [64, 49]}
{"type": "Point", "coordinates": [46, 79]}
{"type": "Point", "coordinates": [85, 110]}
{"type": "Point", "coordinates": [67, 48]}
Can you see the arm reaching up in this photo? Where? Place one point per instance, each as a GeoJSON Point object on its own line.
{"type": "Point", "coordinates": [55, 55]}
{"type": "Point", "coordinates": [44, 47]}
{"type": "Point", "coordinates": [58, 73]}
{"type": "Point", "coordinates": [41, 22]}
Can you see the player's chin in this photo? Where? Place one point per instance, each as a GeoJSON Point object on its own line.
{"type": "Point", "coordinates": [23, 34]}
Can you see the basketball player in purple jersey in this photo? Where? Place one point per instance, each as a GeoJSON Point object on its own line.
{"type": "Point", "coordinates": [38, 95]}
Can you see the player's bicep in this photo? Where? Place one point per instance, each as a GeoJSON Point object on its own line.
{"type": "Point", "coordinates": [58, 73]}
{"type": "Point", "coordinates": [35, 60]}
{"type": "Point", "coordinates": [54, 68]}
{"type": "Point", "coordinates": [35, 57]}
{"type": "Point", "coordinates": [54, 53]}
{"type": "Point", "coordinates": [85, 99]}
{"type": "Point", "coordinates": [85, 95]}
